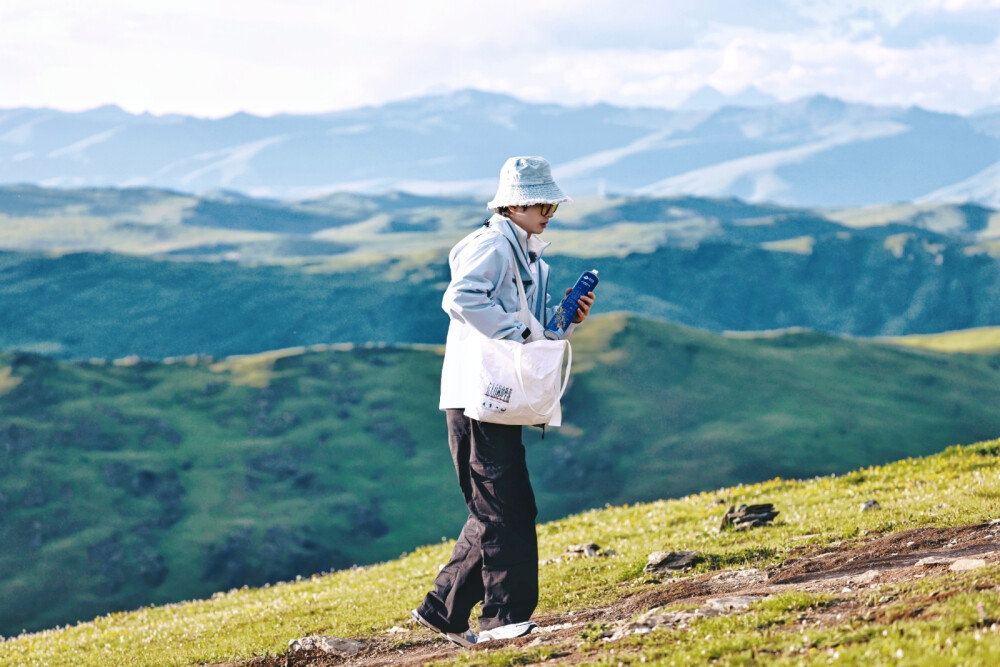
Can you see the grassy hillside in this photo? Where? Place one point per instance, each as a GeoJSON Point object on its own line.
{"type": "Point", "coordinates": [110, 306]}
{"type": "Point", "coordinates": [107, 306]}
{"type": "Point", "coordinates": [138, 482]}
{"type": "Point", "coordinates": [936, 617]}
{"type": "Point", "coordinates": [343, 227]}
{"type": "Point", "coordinates": [109, 273]}
{"type": "Point", "coordinates": [985, 340]}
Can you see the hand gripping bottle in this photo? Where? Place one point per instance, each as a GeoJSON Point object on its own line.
{"type": "Point", "coordinates": [566, 313]}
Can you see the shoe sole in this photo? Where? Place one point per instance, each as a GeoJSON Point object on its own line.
{"type": "Point", "coordinates": [424, 622]}
{"type": "Point", "coordinates": [485, 636]}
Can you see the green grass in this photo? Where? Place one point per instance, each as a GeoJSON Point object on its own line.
{"type": "Point", "coordinates": [366, 602]}
{"type": "Point", "coordinates": [774, 633]}
{"type": "Point", "coordinates": [961, 629]}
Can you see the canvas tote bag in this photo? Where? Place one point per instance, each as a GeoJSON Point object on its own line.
{"type": "Point", "coordinates": [518, 383]}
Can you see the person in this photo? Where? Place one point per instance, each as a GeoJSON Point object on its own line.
{"type": "Point", "coordinates": [495, 560]}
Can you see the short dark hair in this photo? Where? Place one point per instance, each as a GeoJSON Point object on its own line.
{"type": "Point", "coordinates": [504, 211]}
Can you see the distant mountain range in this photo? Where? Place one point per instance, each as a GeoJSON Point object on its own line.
{"type": "Point", "coordinates": [708, 98]}
{"type": "Point", "coordinates": [816, 151]}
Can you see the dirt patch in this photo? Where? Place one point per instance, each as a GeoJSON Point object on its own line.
{"type": "Point", "coordinates": [893, 557]}
{"type": "Point", "coordinates": [851, 570]}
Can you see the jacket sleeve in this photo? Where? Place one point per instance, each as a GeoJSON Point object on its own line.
{"type": "Point", "coordinates": [476, 271]}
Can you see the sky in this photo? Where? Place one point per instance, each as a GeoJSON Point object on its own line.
{"type": "Point", "coordinates": [213, 58]}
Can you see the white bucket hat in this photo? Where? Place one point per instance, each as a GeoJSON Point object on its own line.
{"type": "Point", "coordinates": [527, 180]}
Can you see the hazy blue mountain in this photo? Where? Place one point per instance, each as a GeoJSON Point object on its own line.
{"type": "Point", "coordinates": [814, 151]}
{"type": "Point", "coordinates": [708, 98]}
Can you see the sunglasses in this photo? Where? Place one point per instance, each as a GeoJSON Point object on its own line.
{"type": "Point", "coordinates": [547, 209]}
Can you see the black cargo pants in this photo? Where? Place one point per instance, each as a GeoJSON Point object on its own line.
{"type": "Point", "coordinates": [496, 558]}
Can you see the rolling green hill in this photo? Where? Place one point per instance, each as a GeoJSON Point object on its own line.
{"type": "Point", "coordinates": [106, 305]}
{"type": "Point", "coordinates": [343, 229]}
{"type": "Point", "coordinates": [823, 584]}
{"type": "Point", "coordinates": [106, 273]}
{"type": "Point", "coordinates": [89, 305]}
{"type": "Point", "coordinates": [130, 483]}
{"type": "Point", "coordinates": [985, 340]}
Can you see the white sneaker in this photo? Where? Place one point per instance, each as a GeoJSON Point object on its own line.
{"type": "Point", "coordinates": [509, 631]}
{"type": "Point", "coordinates": [464, 639]}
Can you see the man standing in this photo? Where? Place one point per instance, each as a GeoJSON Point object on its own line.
{"type": "Point", "coordinates": [496, 558]}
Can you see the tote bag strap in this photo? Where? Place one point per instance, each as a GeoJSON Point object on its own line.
{"type": "Point", "coordinates": [524, 314]}
{"type": "Point", "coordinates": [517, 277]}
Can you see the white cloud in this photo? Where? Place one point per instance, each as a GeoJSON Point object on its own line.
{"type": "Point", "coordinates": [213, 58]}
{"type": "Point", "coordinates": [962, 5]}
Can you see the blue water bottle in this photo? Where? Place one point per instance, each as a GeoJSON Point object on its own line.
{"type": "Point", "coordinates": [566, 313]}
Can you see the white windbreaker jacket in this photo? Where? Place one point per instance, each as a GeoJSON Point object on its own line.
{"type": "Point", "coordinates": [483, 294]}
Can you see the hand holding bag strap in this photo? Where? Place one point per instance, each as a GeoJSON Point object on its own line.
{"type": "Point", "coordinates": [519, 351]}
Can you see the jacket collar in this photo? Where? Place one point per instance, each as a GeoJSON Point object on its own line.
{"type": "Point", "coordinates": [526, 245]}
